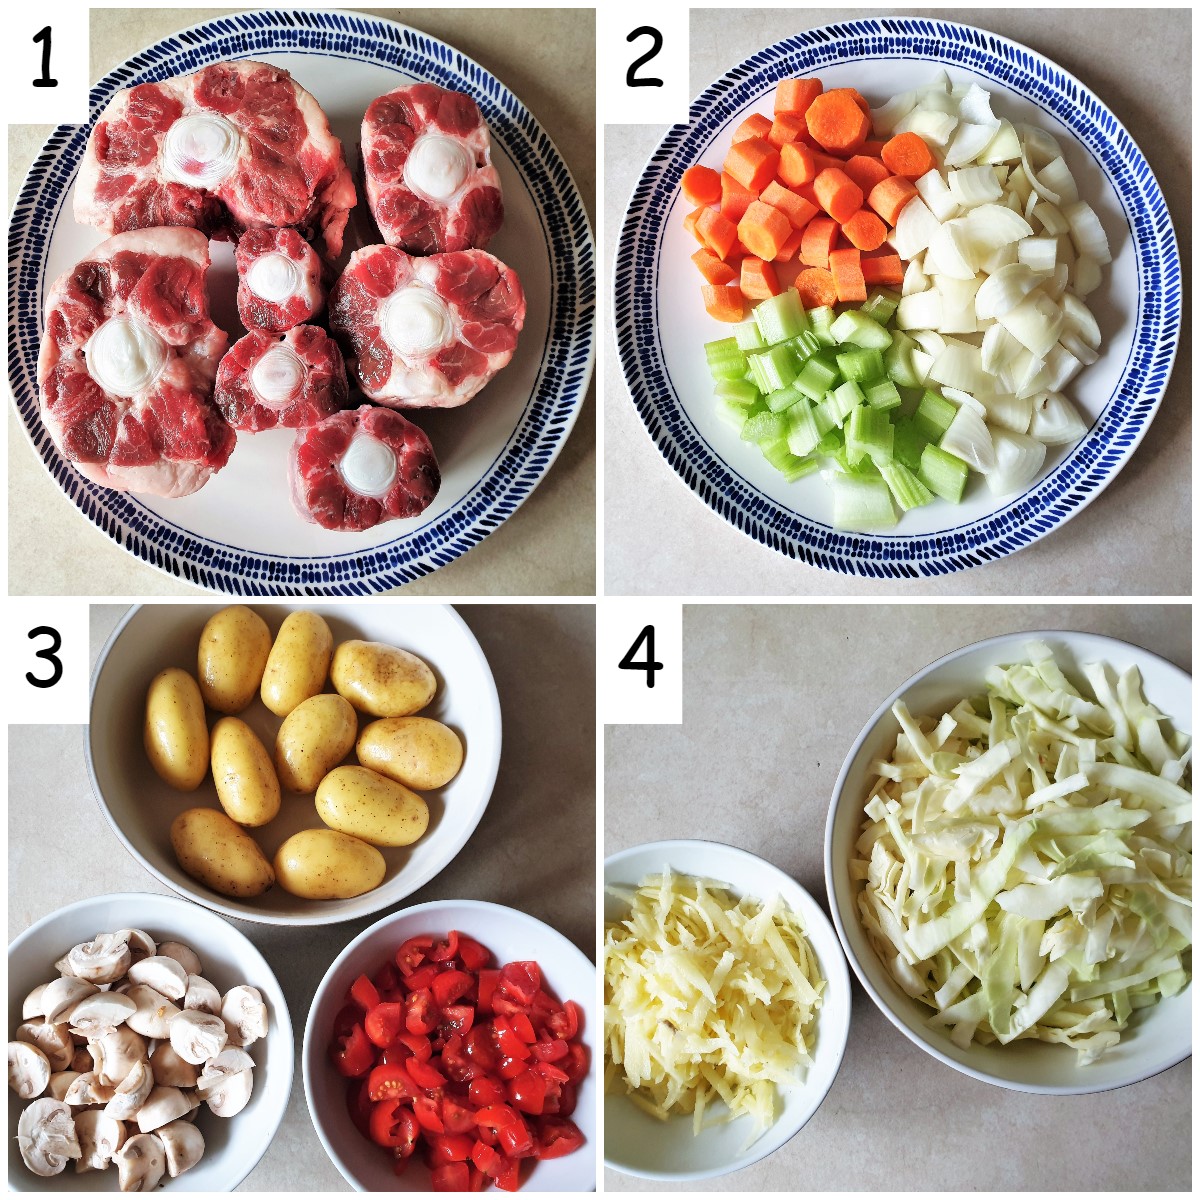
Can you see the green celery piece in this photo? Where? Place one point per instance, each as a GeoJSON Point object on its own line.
{"type": "Point", "coordinates": [868, 434]}
{"type": "Point", "coordinates": [825, 423]}
{"type": "Point", "coordinates": [781, 318]}
{"type": "Point", "coordinates": [881, 305]}
{"type": "Point", "coordinates": [721, 348]}
{"type": "Point", "coordinates": [783, 399]}
{"type": "Point", "coordinates": [817, 376]}
{"type": "Point", "coordinates": [803, 431]}
{"type": "Point", "coordinates": [908, 490]}
{"type": "Point", "coordinates": [942, 473]}
{"type": "Point", "coordinates": [737, 391]}
{"type": "Point", "coordinates": [731, 413]}
{"type": "Point", "coordinates": [831, 441]}
{"type": "Point", "coordinates": [883, 395]}
{"type": "Point", "coordinates": [852, 327]}
{"type": "Point", "coordinates": [861, 505]}
{"type": "Point", "coordinates": [805, 346]}
{"type": "Point", "coordinates": [862, 366]}
{"type": "Point", "coordinates": [746, 335]}
{"type": "Point", "coordinates": [933, 415]}
{"type": "Point", "coordinates": [764, 427]}
{"type": "Point", "coordinates": [847, 397]}
{"type": "Point", "coordinates": [897, 360]}
{"type": "Point", "coordinates": [908, 443]}
{"type": "Point", "coordinates": [790, 466]}
{"type": "Point", "coordinates": [757, 375]}
{"type": "Point", "coordinates": [729, 368]}
{"type": "Point", "coordinates": [821, 320]}
{"type": "Point", "coordinates": [778, 366]}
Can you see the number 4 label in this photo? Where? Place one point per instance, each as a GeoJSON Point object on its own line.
{"type": "Point", "coordinates": [640, 648]}
{"type": "Point", "coordinates": [48, 661]}
{"type": "Point", "coordinates": [643, 63]}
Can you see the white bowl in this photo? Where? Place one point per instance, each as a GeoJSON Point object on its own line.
{"type": "Point", "coordinates": [510, 935]}
{"type": "Point", "coordinates": [140, 806]}
{"type": "Point", "coordinates": [1158, 1037]}
{"type": "Point", "coordinates": [636, 1143]}
{"type": "Point", "coordinates": [234, 1145]}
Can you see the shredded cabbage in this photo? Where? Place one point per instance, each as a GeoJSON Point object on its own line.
{"type": "Point", "coordinates": [1025, 865]}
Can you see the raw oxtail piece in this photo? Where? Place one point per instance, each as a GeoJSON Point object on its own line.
{"type": "Point", "coordinates": [266, 381]}
{"type": "Point", "coordinates": [127, 361]}
{"type": "Point", "coordinates": [361, 467]}
{"type": "Point", "coordinates": [235, 146]}
{"type": "Point", "coordinates": [427, 332]}
{"type": "Point", "coordinates": [427, 164]}
{"type": "Point", "coordinates": [279, 280]}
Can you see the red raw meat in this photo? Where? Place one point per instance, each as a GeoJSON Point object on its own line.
{"type": "Point", "coordinates": [359, 468]}
{"type": "Point", "coordinates": [127, 362]}
{"type": "Point", "coordinates": [427, 165]}
{"type": "Point", "coordinates": [427, 332]}
{"type": "Point", "coordinates": [279, 280]}
{"type": "Point", "coordinates": [235, 146]}
{"type": "Point", "coordinates": [289, 381]}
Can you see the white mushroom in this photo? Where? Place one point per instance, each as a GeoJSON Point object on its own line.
{"type": "Point", "coordinates": [132, 1093]}
{"type": "Point", "coordinates": [170, 1070]}
{"type": "Point", "coordinates": [28, 1069]}
{"type": "Point", "coordinates": [60, 1082]}
{"type": "Point", "coordinates": [102, 960]}
{"type": "Point", "coordinates": [88, 1088]}
{"type": "Point", "coordinates": [46, 1137]}
{"type": "Point", "coordinates": [32, 1005]}
{"type": "Point", "coordinates": [116, 1053]}
{"type": "Point", "coordinates": [141, 1162]}
{"type": "Point", "coordinates": [100, 1137]}
{"type": "Point", "coordinates": [231, 1094]}
{"type": "Point", "coordinates": [100, 1013]}
{"type": "Point", "coordinates": [197, 1036]}
{"type": "Point", "coordinates": [202, 995]}
{"type": "Point", "coordinates": [162, 974]}
{"type": "Point", "coordinates": [229, 1062]}
{"type": "Point", "coordinates": [141, 944]}
{"type": "Point", "coordinates": [54, 1041]}
{"type": "Point", "coordinates": [154, 1012]}
{"type": "Point", "coordinates": [244, 1014]}
{"type": "Point", "coordinates": [184, 1146]}
{"type": "Point", "coordinates": [162, 1105]}
{"type": "Point", "coordinates": [61, 995]}
{"type": "Point", "coordinates": [187, 958]}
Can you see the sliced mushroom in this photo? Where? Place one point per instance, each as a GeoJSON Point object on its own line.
{"type": "Point", "coordinates": [231, 1094]}
{"type": "Point", "coordinates": [46, 1137]}
{"type": "Point", "coordinates": [229, 1062]}
{"type": "Point", "coordinates": [163, 1104]}
{"type": "Point", "coordinates": [100, 1014]}
{"type": "Point", "coordinates": [141, 1162]}
{"type": "Point", "coordinates": [54, 1041]}
{"type": "Point", "coordinates": [162, 974]}
{"type": "Point", "coordinates": [102, 960]}
{"type": "Point", "coordinates": [197, 1036]}
{"type": "Point", "coordinates": [185, 956]}
{"type": "Point", "coordinates": [141, 944]}
{"type": "Point", "coordinates": [183, 1145]}
{"type": "Point", "coordinates": [244, 1014]}
{"type": "Point", "coordinates": [32, 1005]}
{"type": "Point", "coordinates": [28, 1069]}
{"type": "Point", "coordinates": [170, 1070]}
{"type": "Point", "coordinates": [115, 1053]}
{"type": "Point", "coordinates": [132, 1093]}
{"type": "Point", "coordinates": [88, 1088]}
{"type": "Point", "coordinates": [154, 1012]}
{"type": "Point", "coordinates": [202, 995]}
{"type": "Point", "coordinates": [60, 1081]}
{"type": "Point", "coordinates": [61, 995]}
{"type": "Point", "coordinates": [100, 1137]}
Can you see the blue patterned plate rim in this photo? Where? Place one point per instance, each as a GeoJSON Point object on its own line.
{"type": "Point", "coordinates": [563, 374]}
{"type": "Point", "coordinates": [1075, 481]}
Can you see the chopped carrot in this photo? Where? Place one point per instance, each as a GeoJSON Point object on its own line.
{"type": "Point", "coordinates": [856, 96]}
{"type": "Point", "coordinates": [763, 230]}
{"type": "Point", "coordinates": [701, 185]}
{"type": "Point", "coordinates": [908, 156]}
{"type": "Point", "coordinates": [846, 268]}
{"type": "Point", "coordinates": [820, 236]}
{"type": "Point", "coordinates": [805, 190]}
{"type": "Point", "coordinates": [785, 130]}
{"type": "Point", "coordinates": [718, 232]}
{"type": "Point", "coordinates": [689, 223]}
{"type": "Point", "coordinates": [797, 210]}
{"type": "Point", "coordinates": [759, 281]}
{"type": "Point", "coordinates": [890, 196]}
{"type": "Point", "coordinates": [752, 163]}
{"type": "Point", "coordinates": [838, 194]}
{"type": "Point", "coordinates": [816, 288]}
{"type": "Point", "coordinates": [871, 148]}
{"type": "Point", "coordinates": [791, 247]}
{"type": "Point", "coordinates": [735, 199]}
{"type": "Point", "coordinates": [724, 301]}
{"type": "Point", "coordinates": [866, 172]}
{"type": "Point", "coordinates": [796, 165]}
{"type": "Point", "coordinates": [712, 268]}
{"type": "Point", "coordinates": [886, 269]}
{"type": "Point", "coordinates": [754, 126]}
{"type": "Point", "coordinates": [837, 123]}
{"type": "Point", "coordinates": [793, 96]}
{"type": "Point", "coordinates": [865, 230]}
{"type": "Point", "coordinates": [824, 161]}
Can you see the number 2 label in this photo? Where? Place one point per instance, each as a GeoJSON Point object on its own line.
{"type": "Point", "coordinates": [656, 44]}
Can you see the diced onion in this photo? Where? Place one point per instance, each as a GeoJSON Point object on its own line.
{"type": "Point", "coordinates": [1055, 420]}
{"type": "Point", "coordinates": [1086, 231]}
{"type": "Point", "coordinates": [1038, 253]}
{"type": "Point", "coordinates": [1008, 412]}
{"type": "Point", "coordinates": [1036, 323]}
{"type": "Point", "coordinates": [915, 227]}
{"type": "Point", "coordinates": [933, 189]}
{"type": "Point", "coordinates": [1004, 147]}
{"type": "Point", "coordinates": [972, 186]}
{"type": "Point", "coordinates": [968, 438]}
{"type": "Point", "coordinates": [1004, 290]}
{"type": "Point", "coordinates": [935, 127]}
{"type": "Point", "coordinates": [920, 310]}
{"type": "Point", "coordinates": [883, 120]}
{"type": "Point", "coordinates": [1018, 461]}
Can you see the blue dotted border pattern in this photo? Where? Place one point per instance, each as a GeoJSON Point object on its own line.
{"type": "Point", "coordinates": [1091, 463]}
{"type": "Point", "coordinates": [563, 376]}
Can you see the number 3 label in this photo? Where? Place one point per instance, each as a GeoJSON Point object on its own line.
{"type": "Point", "coordinates": [48, 661]}
{"type": "Point", "coordinates": [50, 654]}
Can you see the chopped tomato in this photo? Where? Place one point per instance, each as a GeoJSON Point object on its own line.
{"type": "Point", "coordinates": [567, 1099]}
{"type": "Point", "coordinates": [527, 1093]}
{"type": "Point", "coordinates": [557, 1137]}
{"type": "Point", "coordinates": [450, 986]}
{"type": "Point", "coordinates": [384, 1023]}
{"type": "Point", "coordinates": [515, 1140]}
{"type": "Point", "coordinates": [428, 1113]}
{"type": "Point", "coordinates": [471, 954]}
{"type": "Point", "coordinates": [413, 953]}
{"type": "Point", "coordinates": [497, 1115]}
{"type": "Point", "coordinates": [451, 1177]}
{"type": "Point", "coordinates": [487, 1159]}
{"type": "Point", "coordinates": [458, 1017]}
{"type": "Point", "coordinates": [358, 1105]}
{"type": "Point", "coordinates": [510, 1068]}
{"type": "Point", "coordinates": [451, 1147]}
{"type": "Point", "coordinates": [426, 1075]}
{"type": "Point", "coordinates": [386, 981]}
{"type": "Point", "coordinates": [422, 977]}
{"type": "Point", "coordinates": [479, 1049]}
{"type": "Point", "coordinates": [444, 950]}
{"type": "Point", "coordinates": [420, 1015]}
{"type": "Point", "coordinates": [390, 1081]}
{"type": "Point", "coordinates": [510, 1178]}
{"type": "Point", "coordinates": [550, 1051]}
{"type": "Point", "coordinates": [352, 1052]}
{"type": "Point", "coordinates": [456, 1117]}
{"type": "Point", "coordinates": [488, 982]}
{"type": "Point", "coordinates": [576, 1063]}
{"type": "Point", "coordinates": [393, 1124]}
{"type": "Point", "coordinates": [565, 1023]}
{"type": "Point", "coordinates": [521, 981]}
{"type": "Point", "coordinates": [485, 1091]}
{"type": "Point", "coordinates": [364, 993]}
{"type": "Point", "coordinates": [508, 1041]}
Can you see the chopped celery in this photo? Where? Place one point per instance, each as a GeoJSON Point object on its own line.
{"type": "Point", "coordinates": [731, 413]}
{"type": "Point", "coordinates": [933, 415]}
{"type": "Point", "coordinates": [942, 473]}
{"type": "Point", "coordinates": [862, 366]}
{"type": "Point", "coordinates": [909, 491]}
{"type": "Point", "coordinates": [846, 398]}
{"type": "Point", "coordinates": [803, 432]}
{"type": "Point", "coordinates": [789, 465]}
{"type": "Point", "coordinates": [776, 365]}
{"type": "Point", "coordinates": [825, 423]}
{"type": "Point", "coordinates": [881, 305]}
{"type": "Point", "coordinates": [747, 335]}
{"type": "Point", "coordinates": [831, 440]}
{"type": "Point", "coordinates": [721, 348]}
{"type": "Point", "coordinates": [883, 395]}
{"type": "Point", "coordinates": [817, 376]}
{"type": "Point", "coordinates": [897, 360]}
{"type": "Point", "coordinates": [805, 346]}
{"type": "Point", "coordinates": [821, 321]}
{"type": "Point", "coordinates": [783, 399]}
{"type": "Point", "coordinates": [908, 442]}
{"type": "Point", "coordinates": [853, 327]}
{"type": "Point", "coordinates": [780, 318]}
{"type": "Point", "coordinates": [757, 375]}
{"type": "Point", "coordinates": [764, 427]}
{"type": "Point", "coordinates": [737, 391]}
{"type": "Point", "coordinates": [861, 504]}
{"type": "Point", "coordinates": [729, 368]}
{"type": "Point", "coordinates": [868, 433]}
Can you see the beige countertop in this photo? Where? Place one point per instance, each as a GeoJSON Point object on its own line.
{"type": "Point", "coordinates": [754, 764]}
{"type": "Point", "coordinates": [534, 850]}
{"type": "Point", "coordinates": [1134, 539]}
{"type": "Point", "coordinates": [548, 547]}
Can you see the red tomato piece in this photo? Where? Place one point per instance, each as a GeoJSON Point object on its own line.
{"type": "Point", "coordinates": [524, 1029]}
{"type": "Point", "coordinates": [347, 1017]}
{"type": "Point", "coordinates": [413, 953]}
{"type": "Point", "coordinates": [352, 1053]}
{"type": "Point", "coordinates": [550, 1051]}
{"type": "Point", "coordinates": [420, 1015]}
{"type": "Point", "coordinates": [384, 1023]}
{"type": "Point", "coordinates": [364, 993]}
{"type": "Point", "coordinates": [390, 1081]}
{"type": "Point", "coordinates": [386, 981]}
{"type": "Point", "coordinates": [444, 950]}
{"type": "Point", "coordinates": [458, 1018]}
{"type": "Point", "coordinates": [510, 1068]}
{"type": "Point", "coordinates": [479, 1049]}
{"type": "Point", "coordinates": [476, 1180]}
{"type": "Point", "coordinates": [509, 1178]}
{"type": "Point", "coordinates": [508, 1041]}
{"type": "Point", "coordinates": [515, 1140]}
{"type": "Point", "coordinates": [488, 982]}
{"type": "Point", "coordinates": [450, 986]}
{"type": "Point", "coordinates": [358, 1105]}
{"type": "Point", "coordinates": [485, 1091]}
{"type": "Point", "coordinates": [451, 1147]}
{"type": "Point", "coordinates": [457, 1117]}
{"type": "Point", "coordinates": [495, 1116]}
{"type": "Point", "coordinates": [527, 1093]}
{"type": "Point", "coordinates": [455, 1061]}
{"type": "Point", "coordinates": [556, 1136]}
{"type": "Point", "coordinates": [567, 1099]}
{"type": "Point", "coordinates": [521, 981]}
{"type": "Point", "coordinates": [428, 1114]}
{"type": "Point", "coordinates": [565, 1023]}
{"type": "Point", "coordinates": [471, 954]}
{"type": "Point", "coordinates": [576, 1063]}
{"type": "Point", "coordinates": [393, 1124]}
{"type": "Point", "coordinates": [426, 1075]}
{"type": "Point", "coordinates": [487, 1159]}
{"type": "Point", "coordinates": [451, 1177]}
{"type": "Point", "coordinates": [422, 977]}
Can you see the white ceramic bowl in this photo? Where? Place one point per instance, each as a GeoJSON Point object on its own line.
{"type": "Point", "coordinates": [233, 1146]}
{"type": "Point", "coordinates": [140, 806]}
{"type": "Point", "coordinates": [510, 935]}
{"type": "Point", "coordinates": [636, 1143]}
{"type": "Point", "coordinates": [1158, 1037]}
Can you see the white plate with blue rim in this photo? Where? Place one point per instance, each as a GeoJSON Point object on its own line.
{"type": "Point", "coordinates": [239, 533]}
{"type": "Point", "coordinates": [661, 324]}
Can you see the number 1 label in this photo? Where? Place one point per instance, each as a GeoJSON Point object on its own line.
{"type": "Point", "coordinates": [47, 77]}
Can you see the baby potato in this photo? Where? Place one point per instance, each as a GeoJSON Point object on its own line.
{"type": "Point", "coordinates": [233, 653]}
{"type": "Point", "coordinates": [323, 864]}
{"type": "Point", "coordinates": [220, 854]}
{"type": "Point", "coordinates": [382, 680]}
{"type": "Point", "coordinates": [314, 737]}
{"type": "Point", "coordinates": [418, 752]}
{"type": "Point", "coordinates": [247, 786]}
{"type": "Point", "coordinates": [360, 802]}
{"type": "Point", "coordinates": [298, 663]}
{"type": "Point", "coordinates": [175, 733]}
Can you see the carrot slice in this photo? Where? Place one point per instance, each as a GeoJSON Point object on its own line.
{"type": "Point", "coordinates": [838, 194]}
{"type": "Point", "coordinates": [752, 163]}
{"type": "Point", "coordinates": [816, 288]}
{"type": "Point", "coordinates": [796, 164]}
{"type": "Point", "coordinates": [837, 123]}
{"type": "Point", "coordinates": [701, 185]}
{"type": "Point", "coordinates": [865, 230]}
{"type": "Point", "coordinates": [725, 302]}
{"type": "Point", "coordinates": [886, 269]}
{"type": "Point", "coordinates": [871, 148]}
{"type": "Point", "coordinates": [786, 130]}
{"type": "Point", "coordinates": [712, 268]}
{"type": "Point", "coordinates": [820, 236]}
{"type": "Point", "coordinates": [856, 96]}
{"type": "Point", "coordinates": [759, 281]}
{"type": "Point", "coordinates": [718, 232]}
{"type": "Point", "coordinates": [797, 210]}
{"type": "Point", "coordinates": [846, 268]}
{"type": "Point", "coordinates": [889, 197]}
{"type": "Point", "coordinates": [907, 155]}
{"type": "Point", "coordinates": [793, 96]}
{"type": "Point", "coordinates": [754, 126]}
{"type": "Point", "coordinates": [689, 223]}
{"type": "Point", "coordinates": [763, 230]}
{"type": "Point", "coordinates": [791, 247]}
{"type": "Point", "coordinates": [866, 172]}
{"type": "Point", "coordinates": [735, 199]}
